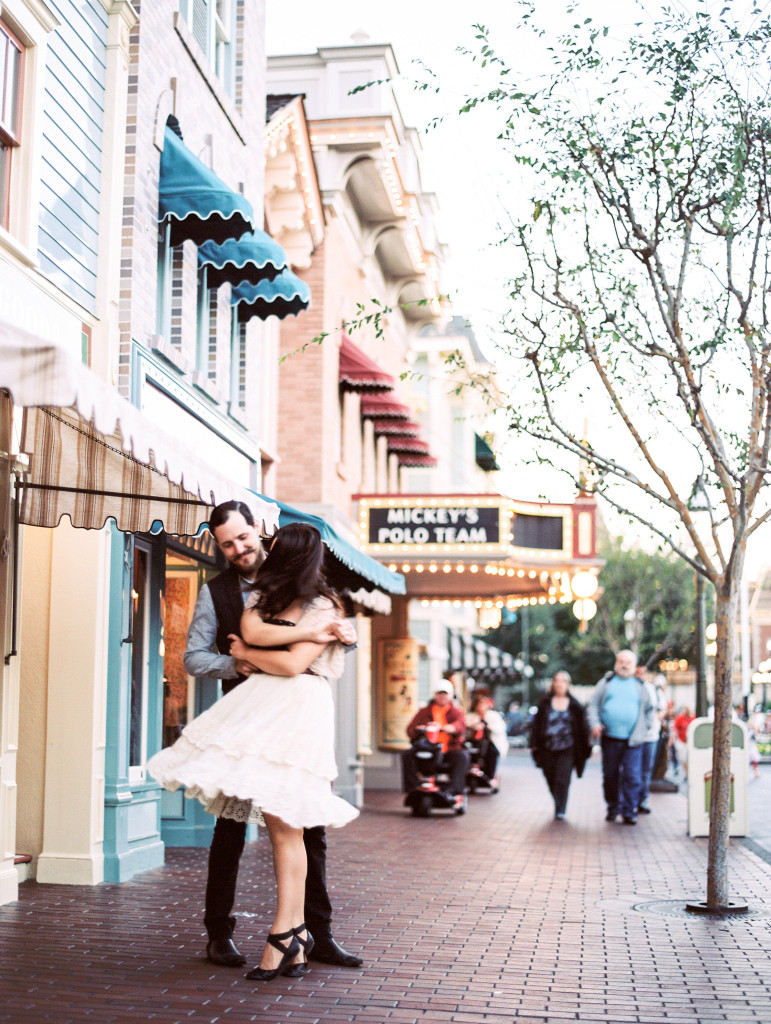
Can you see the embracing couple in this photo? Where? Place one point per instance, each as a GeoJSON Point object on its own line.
{"type": "Point", "coordinates": [272, 630]}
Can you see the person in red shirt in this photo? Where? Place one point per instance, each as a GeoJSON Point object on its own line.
{"type": "Point", "coordinates": [452, 732]}
{"type": "Point", "coordinates": [678, 737]}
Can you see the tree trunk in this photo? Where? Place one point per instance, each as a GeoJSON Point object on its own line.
{"type": "Point", "coordinates": [727, 598]}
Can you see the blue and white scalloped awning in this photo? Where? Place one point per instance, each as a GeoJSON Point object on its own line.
{"type": "Point", "coordinates": [354, 569]}
{"type": "Point", "coordinates": [194, 202]}
{"type": "Point", "coordinates": [252, 258]}
{"type": "Point", "coordinates": [284, 295]}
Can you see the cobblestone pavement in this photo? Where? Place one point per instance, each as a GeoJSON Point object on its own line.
{"type": "Point", "coordinates": [498, 916]}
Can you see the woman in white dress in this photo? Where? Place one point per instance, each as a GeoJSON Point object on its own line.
{"type": "Point", "coordinates": [265, 751]}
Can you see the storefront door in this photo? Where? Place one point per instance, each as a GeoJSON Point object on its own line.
{"type": "Point", "coordinates": [132, 840]}
{"type": "Point", "coordinates": [141, 659]}
{"type": "Point", "coordinates": [183, 822]}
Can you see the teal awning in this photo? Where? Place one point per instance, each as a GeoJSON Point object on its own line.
{"type": "Point", "coordinates": [196, 203]}
{"type": "Point", "coordinates": [485, 456]}
{"type": "Point", "coordinates": [283, 295]}
{"type": "Point", "coordinates": [353, 569]}
{"type": "Point", "coordinates": [252, 258]}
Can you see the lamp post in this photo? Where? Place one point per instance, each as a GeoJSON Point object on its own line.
{"type": "Point", "coordinates": [633, 627]}
{"type": "Point", "coordinates": [584, 587]}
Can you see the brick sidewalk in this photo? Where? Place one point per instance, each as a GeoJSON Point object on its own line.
{"type": "Point", "coordinates": [502, 915]}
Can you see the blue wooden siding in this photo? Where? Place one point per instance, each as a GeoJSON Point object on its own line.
{"type": "Point", "coordinates": [73, 122]}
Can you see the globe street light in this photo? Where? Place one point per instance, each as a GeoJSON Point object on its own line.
{"type": "Point", "coordinates": [584, 586]}
{"type": "Point", "coordinates": [584, 609]}
{"type": "Point", "coordinates": [632, 625]}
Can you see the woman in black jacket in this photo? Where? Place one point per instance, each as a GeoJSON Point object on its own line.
{"type": "Point", "coordinates": [559, 739]}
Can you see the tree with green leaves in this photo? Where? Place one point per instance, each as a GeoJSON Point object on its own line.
{"type": "Point", "coordinates": [647, 604]}
{"type": "Point", "coordinates": [656, 587]}
{"type": "Point", "coordinates": [641, 282]}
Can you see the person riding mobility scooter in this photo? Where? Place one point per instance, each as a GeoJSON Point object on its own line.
{"type": "Point", "coordinates": [486, 742]}
{"type": "Point", "coordinates": [434, 768]}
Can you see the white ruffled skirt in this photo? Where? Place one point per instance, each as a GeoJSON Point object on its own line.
{"type": "Point", "coordinates": [267, 746]}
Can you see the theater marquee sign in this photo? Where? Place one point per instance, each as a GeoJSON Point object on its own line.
{"type": "Point", "coordinates": [435, 525]}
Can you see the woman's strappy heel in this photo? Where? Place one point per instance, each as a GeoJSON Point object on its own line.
{"type": "Point", "coordinates": [287, 953]}
{"type": "Point", "coordinates": [307, 943]}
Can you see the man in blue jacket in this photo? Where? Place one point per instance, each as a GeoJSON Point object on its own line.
{"type": "Point", "coordinates": [620, 713]}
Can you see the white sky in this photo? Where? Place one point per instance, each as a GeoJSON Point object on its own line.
{"type": "Point", "coordinates": [463, 162]}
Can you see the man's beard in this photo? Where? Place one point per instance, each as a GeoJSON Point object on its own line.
{"type": "Point", "coordinates": [251, 557]}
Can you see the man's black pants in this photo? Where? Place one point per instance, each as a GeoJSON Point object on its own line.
{"type": "Point", "coordinates": [224, 854]}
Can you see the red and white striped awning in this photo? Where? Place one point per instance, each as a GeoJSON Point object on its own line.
{"type": "Point", "coordinates": [94, 456]}
{"type": "Point", "coordinates": [383, 406]}
{"type": "Point", "coordinates": [416, 460]}
{"type": "Point", "coordinates": [360, 373]}
{"type": "Point", "coordinates": [394, 427]}
{"type": "Point", "coordinates": [409, 444]}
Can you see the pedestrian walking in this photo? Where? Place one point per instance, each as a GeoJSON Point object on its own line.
{"type": "Point", "coordinates": [217, 615]}
{"type": "Point", "coordinates": [559, 739]}
{"type": "Point", "coordinates": [620, 715]}
{"type": "Point", "coordinates": [678, 738]}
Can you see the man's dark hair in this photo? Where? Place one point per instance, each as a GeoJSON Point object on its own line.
{"type": "Point", "coordinates": [223, 512]}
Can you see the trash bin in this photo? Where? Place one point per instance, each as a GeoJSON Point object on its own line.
{"type": "Point", "coordinates": [699, 744]}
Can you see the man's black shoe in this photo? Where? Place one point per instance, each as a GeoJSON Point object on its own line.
{"type": "Point", "coordinates": [611, 816]}
{"type": "Point", "coordinates": [327, 951]}
{"type": "Point", "coordinates": [630, 821]}
{"type": "Point", "coordinates": [643, 809]}
{"type": "Point", "coordinates": [223, 953]}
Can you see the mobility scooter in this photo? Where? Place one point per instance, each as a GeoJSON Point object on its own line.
{"type": "Point", "coordinates": [432, 792]}
{"type": "Point", "coordinates": [476, 745]}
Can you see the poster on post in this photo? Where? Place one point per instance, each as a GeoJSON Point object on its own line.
{"type": "Point", "coordinates": [398, 691]}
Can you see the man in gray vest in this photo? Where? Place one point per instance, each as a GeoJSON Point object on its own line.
{"type": "Point", "coordinates": [217, 615]}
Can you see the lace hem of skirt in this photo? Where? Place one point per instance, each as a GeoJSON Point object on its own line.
{"type": "Point", "coordinates": [232, 807]}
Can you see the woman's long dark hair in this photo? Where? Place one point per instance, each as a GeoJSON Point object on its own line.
{"type": "Point", "coordinates": [293, 570]}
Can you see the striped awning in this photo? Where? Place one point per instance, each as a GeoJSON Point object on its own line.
{"type": "Point", "coordinates": [416, 460]}
{"type": "Point", "coordinates": [360, 373]}
{"type": "Point", "coordinates": [394, 427]}
{"type": "Point", "coordinates": [383, 406]}
{"type": "Point", "coordinates": [93, 456]}
{"type": "Point", "coordinates": [414, 445]}
{"type": "Point", "coordinates": [471, 654]}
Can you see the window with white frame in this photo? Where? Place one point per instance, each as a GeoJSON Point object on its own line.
{"type": "Point", "coordinates": [207, 316]}
{"type": "Point", "coordinates": [212, 23]}
{"type": "Point", "coordinates": [25, 27]}
{"type": "Point", "coordinates": [11, 71]}
{"type": "Point", "coordinates": [237, 362]}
